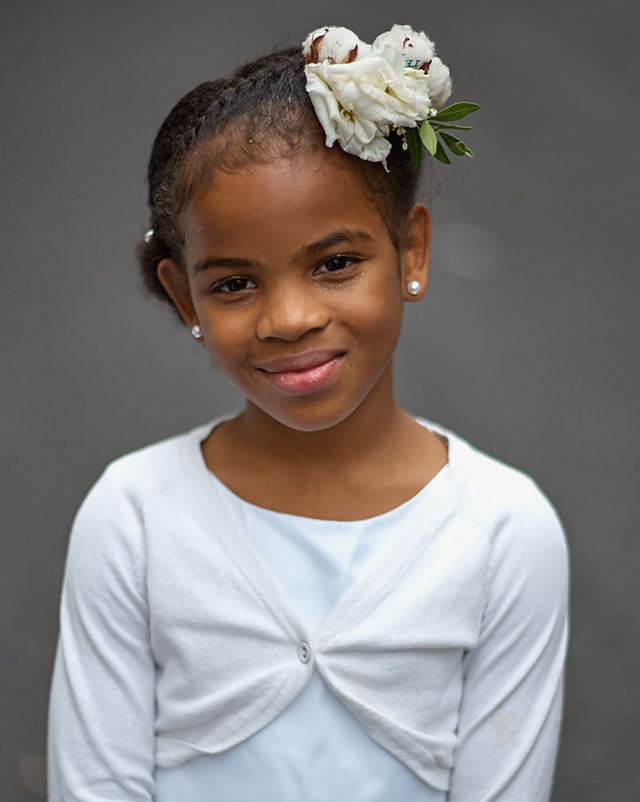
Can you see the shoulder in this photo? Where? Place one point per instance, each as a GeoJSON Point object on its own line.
{"type": "Point", "coordinates": [147, 471]}
{"type": "Point", "coordinates": [131, 484]}
{"type": "Point", "coordinates": [109, 528]}
{"type": "Point", "coordinates": [506, 504]}
{"type": "Point", "coordinates": [497, 493]}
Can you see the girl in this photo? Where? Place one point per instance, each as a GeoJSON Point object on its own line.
{"type": "Point", "coordinates": [320, 597]}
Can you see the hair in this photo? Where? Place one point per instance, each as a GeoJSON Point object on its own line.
{"type": "Point", "coordinates": [260, 112]}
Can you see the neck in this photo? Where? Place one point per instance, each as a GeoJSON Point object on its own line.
{"type": "Point", "coordinates": [368, 463]}
{"type": "Point", "coordinates": [368, 429]}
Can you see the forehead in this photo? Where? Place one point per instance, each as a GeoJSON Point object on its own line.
{"type": "Point", "coordinates": [281, 204]}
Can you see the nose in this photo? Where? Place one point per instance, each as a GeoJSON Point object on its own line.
{"type": "Point", "coordinates": [290, 313]}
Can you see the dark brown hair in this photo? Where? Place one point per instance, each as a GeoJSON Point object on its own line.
{"type": "Point", "coordinates": [260, 112]}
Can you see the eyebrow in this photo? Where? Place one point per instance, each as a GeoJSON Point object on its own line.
{"type": "Point", "coordinates": [335, 238]}
{"type": "Point", "coordinates": [223, 261]}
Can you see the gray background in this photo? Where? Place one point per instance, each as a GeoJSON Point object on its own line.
{"type": "Point", "coordinates": [526, 344]}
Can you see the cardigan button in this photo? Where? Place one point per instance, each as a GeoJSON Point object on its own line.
{"type": "Point", "coordinates": [304, 651]}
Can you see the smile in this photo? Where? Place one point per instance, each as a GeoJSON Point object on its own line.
{"type": "Point", "coordinates": [303, 373]}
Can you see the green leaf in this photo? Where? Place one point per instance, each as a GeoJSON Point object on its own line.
{"type": "Point", "coordinates": [455, 112]}
{"type": "Point", "coordinates": [415, 146]}
{"type": "Point", "coordinates": [435, 124]}
{"type": "Point", "coordinates": [428, 137]}
{"type": "Point", "coordinates": [441, 154]}
{"type": "Point", "coordinates": [457, 147]}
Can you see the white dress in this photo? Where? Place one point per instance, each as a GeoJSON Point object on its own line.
{"type": "Point", "coordinates": [315, 750]}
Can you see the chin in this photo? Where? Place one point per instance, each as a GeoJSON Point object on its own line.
{"type": "Point", "coordinates": [310, 420]}
{"type": "Point", "coordinates": [311, 425]}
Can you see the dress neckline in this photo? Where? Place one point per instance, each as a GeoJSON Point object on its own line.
{"type": "Point", "coordinates": [397, 511]}
{"type": "Point", "coordinates": [423, 519]}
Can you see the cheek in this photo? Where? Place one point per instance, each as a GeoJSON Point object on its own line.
{"type": "Point", "coordinates": [385, 305]}
{"type": "Point", "coordinates": [225, 341]}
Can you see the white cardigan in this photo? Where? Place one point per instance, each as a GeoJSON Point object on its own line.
{"type": "Point", "coordinates": [176, 641]}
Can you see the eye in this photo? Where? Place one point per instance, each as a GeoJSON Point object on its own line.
{"type": "Point", "coordinates": [338, 262]}
{"type": "Point", "coordinates": [233, 284]}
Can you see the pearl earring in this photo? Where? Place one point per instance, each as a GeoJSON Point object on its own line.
{"type": "Point", "coordinates": [413, 287]}
{"type": "Point", "coordinates": [196, 331]}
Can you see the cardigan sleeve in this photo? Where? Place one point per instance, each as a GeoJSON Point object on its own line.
{"type": "Point", "coordinates": [101, 712]}
{"type": "Point", "coordinates": [511, 707]}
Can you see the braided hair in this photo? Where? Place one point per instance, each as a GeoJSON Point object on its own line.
{"type": "Point", "coordinates": [260, 112]}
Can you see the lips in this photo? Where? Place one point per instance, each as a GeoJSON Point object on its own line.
{"type": "Point", "coordinates": [303, 372]}
{"type": "Point", "coordinates": [306, 361]}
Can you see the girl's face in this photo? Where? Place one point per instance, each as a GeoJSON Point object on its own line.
{"type": "Point", "coordinates": [296, 285]}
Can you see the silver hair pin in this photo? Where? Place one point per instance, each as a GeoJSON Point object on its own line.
{"type": "Point", "coordinates": [148, 235]}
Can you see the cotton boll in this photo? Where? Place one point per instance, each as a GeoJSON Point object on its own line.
{"type": "Point", "coordinates": [439, 82]}
{"type": "Point", "coordinates": [333, 44]}
{"type": "Point", "coordinates": [312, 43]}
{"type": "Point", "coordinates": [416, 47]}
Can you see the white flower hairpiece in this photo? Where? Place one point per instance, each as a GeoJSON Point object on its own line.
{"type": "Point", "coordinates": [361, 92]}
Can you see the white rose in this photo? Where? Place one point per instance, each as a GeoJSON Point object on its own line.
{"type": "Point", "coordinates": [360, 137]}
{"type": "Point", "coordinates": [337, 45]}
{"type": "Point", "coordinates": [416, 47]}
{"type": "Point", "coordinates": [439, 82]}
{"type": "Point", "coordinates": [357, 103]}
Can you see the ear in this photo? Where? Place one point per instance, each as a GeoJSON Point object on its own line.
{"type": "Point", "coordinates": [173, 279]}
{"type": "Point", "coordinates": [414, 251]}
